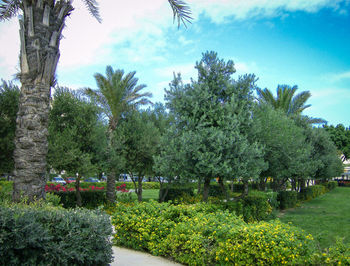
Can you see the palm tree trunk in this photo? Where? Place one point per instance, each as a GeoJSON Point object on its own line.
{"type": "Point", "coordinates": [40, 33]}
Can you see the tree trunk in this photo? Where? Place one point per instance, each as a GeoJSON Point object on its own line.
{"type": "Point", "coordinates": [40, 34]}
{"type": "Point", "coordinates": [262, 184]}
{"type": "Point", "coordinates": [139, 189]}
{"type": "Point", "coordinates": [199, 187]}
{"type": "Point", "coordinates": [245, 188]}
{"type": "Point", "coordinates": [77, 191]}
{"type": "Point", "coordinates": [223, 187]}
{"type": "Point", "coordinates": [206, 189]}
{"type": "Point", "coordinates": [110, 193]}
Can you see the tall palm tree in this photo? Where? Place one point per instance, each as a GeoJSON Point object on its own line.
{"type": "Point", "coordinates": [115, 95]}
{"type": "Point", "coordinates": [41, 25]}
{"type": "Point", "coordinates": [287, 101]}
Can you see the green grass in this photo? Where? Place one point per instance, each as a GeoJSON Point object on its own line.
{"type": "Point", "coordinates": [326, 217]}
{"type": "Point", "coordinates": [147, 194]}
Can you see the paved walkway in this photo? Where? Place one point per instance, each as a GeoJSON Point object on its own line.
{"type": "Point", "coordinates": [129, 257]}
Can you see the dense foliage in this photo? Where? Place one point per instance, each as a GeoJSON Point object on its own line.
{"type": "Point", "coordinates": [201, 235]}
{"type": "Point", "coordinates": [44, 235]}
{"type": "Point", "coordinates": [9, 98]}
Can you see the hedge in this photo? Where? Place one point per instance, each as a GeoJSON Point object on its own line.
{"type": "Point", "coordinates": [287, 199]}
{"type": "Point", "coordinates": [175, 193]}
{"type": "Point", "coordinates": [253, 207]}
{"type": "Point", "coordinates": [330, 185]}
{"type": "Point", "coordinates": [44, 235]}
{"type": "Point", "coordinates": [311, 192]}
{"type": "Point", "coordinates": [202, 235]}
{"type": "Point", "coordinates": [89, 199]}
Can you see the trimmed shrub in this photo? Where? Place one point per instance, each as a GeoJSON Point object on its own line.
{"type": "Point", "coordinates": [89, 199]}
{"type": "Point", "coordinates": [330, 185]}
{"type": "Point", "coordinates": [175, 193]}
{"type": "Point", "coordinates": [215, 191]}
{"type": "Point", "coordinates": [338, 254]}
{"type": "Point", "coordinates": [45, 235]}
{"type": "Point", "coordinates": [311, 192]}
{"type": "Point", "coordinates": [254, 207]}
{"type": "Point", "coordinates": [201, 234]}
{"type": "Point", "coordinates": [287, 199]}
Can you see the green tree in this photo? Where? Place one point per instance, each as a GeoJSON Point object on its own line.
{"type": "Point", "coordinates": [72, 124]}
{"type": "Point", "coordinates": [285, 147]}
{"type": "Point", "coordinates": [287, 101]}
{"type": "Point", "coordinates": [140, 144]}
{"type": "Point", "coordinates": [116, 94]}
{"type": "Point", "coordinates": [41, 25]}
{"type": "Point", "coordinates": [211, 120]}
{"type": "Point", "coordinates": [341, 138]}
{"type": "Point", "coordinates": [9, 98]}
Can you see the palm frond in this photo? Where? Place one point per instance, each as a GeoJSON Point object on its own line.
{"type": "Point", "coordinates": [298, 103]}
{"type": "Point", "coordinates": [9, 9]}
{"type": "Point", "coordinates": [93, 9]}
{"type": "Point", "coordinates": [265, 96]}
{"type": "Point", "coordinates": [181, 11]}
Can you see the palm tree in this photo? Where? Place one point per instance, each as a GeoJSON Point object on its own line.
{"type": "Point", "coordinates": [286, 100]}
{"type": "Point", "coordinates": [115, 95]}
{"type": "Point", "coordinates": [41, 25]}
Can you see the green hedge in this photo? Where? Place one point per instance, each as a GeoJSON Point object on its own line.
{"type": "Point", "coordinates": [202, 235]}
{"type": "Point", "coordinates": [254, 207]}
{"type": "Point", "coordinates": [311, 192]}
{"type": "Point", "coordinates": [129, 185]}
{"type": "Point", "coordinates": [176, 193]}
{"type": "Point", "coordinates": [89, 199]}
{"type": "Point", "coordinates": [330, 185]}
{"type": "Point", "coordinates": [287, 199]}
{"type": "Point", "coordinates": [44, 235]}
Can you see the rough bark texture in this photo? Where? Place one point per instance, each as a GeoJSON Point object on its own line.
{"type": "Point", "coordinates": [40, 33]}
{"type": "Point", "coordinates": [110, 193]}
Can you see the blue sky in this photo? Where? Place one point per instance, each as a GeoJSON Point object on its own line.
{"type": "Point", "coordinates": [294, 42]}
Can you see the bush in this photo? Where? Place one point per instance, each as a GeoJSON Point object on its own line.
{"type": "Point", "coordinates": [330, 185]}
{"type": "Point", "coordinates": [6, 191]}
{"type": "Point", "coordinates": [175, 193]}
{"type": "Point", "coordinates": [311, 192]}
{"type": "Point", "coordinates": [45, 235]}
{"type": "Point", "coordinates": [201, 234]}
{"type": "Point", "coordinates": [89, 199]}
{"type": "Point", "coordinates": [254, 207]}
{"type": "Point", "coordinates": [287, 199]}
{"type": "Point", "coordinates": [338, 254]}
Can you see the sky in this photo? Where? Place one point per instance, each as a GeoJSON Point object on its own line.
{"type": "Point", "coordinates": [293, 42]}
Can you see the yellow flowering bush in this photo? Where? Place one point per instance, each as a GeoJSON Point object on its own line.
{"type": "Point", "coordinates": [265, 243]}
{"type": "Point", "coordinates": [202, 234]}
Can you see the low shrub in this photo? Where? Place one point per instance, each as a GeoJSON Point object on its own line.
{"type": "Point", "coordinates": [6, 191]}
{"type": "Point", "coordinates": [311, 192]}
{"type": "Point", "coordinates": [175, 193]}
{"type": "Point", "coordinates": [338, 254]}
{"type": "Point", "coordinates": [44, 235]}
{"type": "Point", "coordinates": [202, 234]}
{"type": "Point", "coordinates": [330, 185]}
{"type": "Point", "coordinates": [287, 199]}
{"type": "Point", "coordinates": [254, 207]}
{"type": "Point", "coordinates": [89, 199]}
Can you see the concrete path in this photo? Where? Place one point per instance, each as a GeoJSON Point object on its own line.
{"type": "Point", "coordinates": [129, 257]}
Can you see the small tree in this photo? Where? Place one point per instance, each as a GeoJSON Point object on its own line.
{"type": "Point", "coordinates": [140, 144]}
{"type": "Point", "coordinates": [211, 122]}
{"type": "Point", "coordinates": [9, 98]}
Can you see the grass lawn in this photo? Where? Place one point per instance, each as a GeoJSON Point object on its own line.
{"type": "Point", "coordinates": [147, 194]}
{"type": "Point", "coordinates": [325, 217]}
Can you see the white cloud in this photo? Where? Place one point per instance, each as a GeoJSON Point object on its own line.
{"type": "Point", "coordinates": [219, 10]}
{"type": "Point", "coordinates": [9, 52]}
{"type": "Point", "coordinates": [339, 76]}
